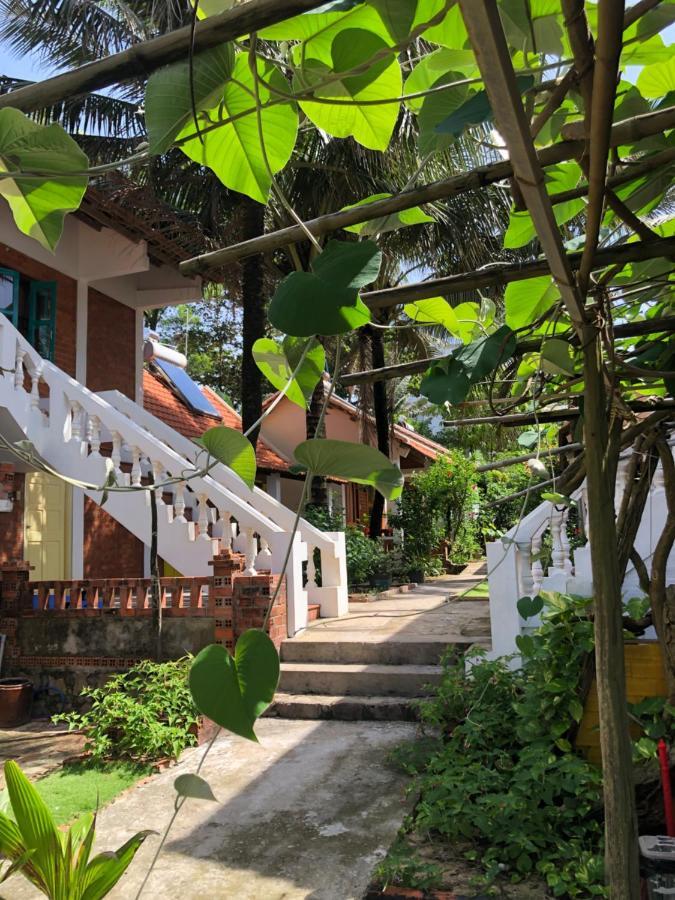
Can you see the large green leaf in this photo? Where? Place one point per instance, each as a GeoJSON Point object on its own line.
{"type": "Point", "coordinates": [39, 205]}
{"type": "Point", "coordinates": [168, 103]}
{"type": "Point", "coordinates": [106, 869]}
{"type": "Point", "coordinates": [436, 108]}
{"type": "Point", "coordinates": [370, 125]}
{"type": "Point", "coordinates": [234, 151]}
{"type": "Point", "coordinates": [234, 690]}
{"type": "Point", "coordinates": [446, 382]}
{"type": "Point", "coordinates": [277, 363]}
{"type": "Point", "coordinates": [402, 219]}
{"type": "Point", "coordinates": [326, 300]}
{"type": "Point", "coordinates": [556, 357]}
{"type": "Point", "coordinates": [451, 32]}
{"type": "Point", "coordinates": [35, 822]}
{"type": "Point", "coordinates": [525, 301]}
{"type": "Point", "coordinates": [231, 448]}
{"type": "Point", "coordinates": [434, 66]}
{"type": "Point", "coordinates": [657, 80]}
{"type": "Point", "coordinates": [318, 28]}
{"type": "Point", "coordinates": [475, 110]}
{"type": "Point", "coordinates": [435, 310]}
{"type": "Point", "coordinates": [355, 462]}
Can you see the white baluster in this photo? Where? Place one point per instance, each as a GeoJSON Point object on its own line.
{"type": "Point", "coordinates": [250, 552]}
{"type": "Point", "coordinates": [525, 583]}
{"type": "Point", "coordinates": [158, 478]}
{"type": "Point", "coordinates": [179, 503]}
{"type": "Point", "coordinates": [203, 518]}
{"type": "Point", "coordinates": [135, 467]}
{"type": "Point", "coordinates": [76, 427]}
{"type": "Point", "coordinates": [568, 565]}
{"type": "Point", "coordinates": [264, 558]}
{"type": "Point", "coordinates": [35, 387]}
{"type": "Point", "coordinates": [557, 553]}
{"type": "Point", "coordinates": [311, 569]}
{"type": "Point", "coordinates": [225, 530]}
{"type": "Point", "coordinates": [18, 368]}
{"type": "Point", "coordinates": [116, 454]}
{"type": "Point", "coordinates": [94, 435]}
{"type": "Point", "coordinates": [659, 481]}
{"type": "Point", "coordinates": [537, 568]}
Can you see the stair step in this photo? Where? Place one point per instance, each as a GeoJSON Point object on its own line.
{"type": "Point", "coordinates": [347, 709]}
{"type": "Point", "coordinates": [357, 679]}
{"type": "Point", "coordinates": [387, 652]}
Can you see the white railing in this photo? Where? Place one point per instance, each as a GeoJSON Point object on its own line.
{"type": "Point", "coordinates": [516, 568]}
{"type": "Point", "coordinates": [74, 430]}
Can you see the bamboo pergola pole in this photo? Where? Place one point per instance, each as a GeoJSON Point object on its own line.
{"type": "Point", "coordinates": [514, 420]}
{"type": "Point", "coordinates": [143, 58]}
{"type": "Point", "coordinates": [624, 132]}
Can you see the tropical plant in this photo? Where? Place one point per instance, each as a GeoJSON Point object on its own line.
{"type": "Point", "coordinates": [58, 863]}
{"type": "Point", "coordinates": [146, 713]}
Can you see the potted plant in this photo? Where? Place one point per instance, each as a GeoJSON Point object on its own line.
{"type": "Point", "coordinates": [16, 701]}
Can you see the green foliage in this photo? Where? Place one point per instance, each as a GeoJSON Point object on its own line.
{"type": "Point", "coordinates": [233, 691]}
{"type": "Point", "coordinates": [39, 205]}
{"type": "Point", "coordinates": [496, 518]}
{"type": "Point", "coordinates": [58, 863]}
{"type": "Point", "coordinates": [403, 219]}
{"type": "Point", "coordinates": [365, 557]}
{"type": "Point", "coordinates": [504, 775]}
{"type": "Point", "coordinates": [143, 714]}
{"type": "Point", "coordinates": [438, 504]}
{"type": "Point", "coordinates": [357, 462]}
{"type": "Point", "coordinates": [229, 447]}
{"type": "Point", "coordinates": [279, 362]}
{"type": "Point", "coordinates": [654, 715]}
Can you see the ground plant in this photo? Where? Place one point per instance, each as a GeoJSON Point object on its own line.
{"type": "Point", "coordinates": [504, 776]}
{"type": "Point", "coordinates": [58, 863]}
{"type": "Point", "coordinates": [144, 714]}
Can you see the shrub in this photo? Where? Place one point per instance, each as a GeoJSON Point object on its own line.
{"type": "Point", "coordinates": [438, 504]}
{"type": "Point", "coordinates": [144, 714]}
{"type": "Point", "coordinates": [504, 774]}
{"type": "Point", "coordinates": [365, 557]}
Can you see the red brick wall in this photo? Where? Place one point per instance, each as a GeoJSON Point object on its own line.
{"type": "Point", "coordinates": [66, 302]}
{"type": "Point", "coordinates": [111, 357]}
{"type": "Point", "coordinates": [11, 525]}
{"type": "Point", "coordinates": [110, 551]}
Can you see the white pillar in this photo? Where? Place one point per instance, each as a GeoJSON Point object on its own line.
{"type": "Point", "coordinates": [77, 534]}
{"type": "Point", "coordinates": [81, 330]}
{"type": "Point", "coordinates": [138, 358]}
{"type": "Point", "coordinates": [273, 485]}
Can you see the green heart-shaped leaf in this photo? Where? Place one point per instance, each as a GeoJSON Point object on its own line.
{"type": "Point", "coordinates": [233, 691]}
{"type": "Point", "coordinates": [356, 462]}
{"type": "Point", "coordinates": [447, 382]}
{"type": "Point", "coordinates": [348, 264]}
{"type": "Point", "coordinates": [277, 363]}
{"type": "Point", "coordinates": [530, 606]}
{"type": "Point", "coordinates": [231, 448]}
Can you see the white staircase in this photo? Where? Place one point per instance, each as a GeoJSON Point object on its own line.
{"type": "Point", "coordinates": [79, 433]}
{"type": "Point", "coordinates": [515, 568]}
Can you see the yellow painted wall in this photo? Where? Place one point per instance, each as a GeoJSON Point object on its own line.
{"type": "Point", "coordinates": [645, 677]}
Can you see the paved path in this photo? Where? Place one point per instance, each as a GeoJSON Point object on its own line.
{"type": "Point", "coordinates": [39, 747]}
{"type": "Point", "coordinates": [307, 813]}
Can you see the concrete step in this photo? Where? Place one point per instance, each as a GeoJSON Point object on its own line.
{"type": "Point", "coordinates": [357, 679]}
{"type": "Point", "coordinates": [347, 709]}
{"type": "Point", "coordinates": [387, 653]}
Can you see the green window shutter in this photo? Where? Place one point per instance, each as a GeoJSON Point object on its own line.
{"type": "Point", "coordinates": [9, 295]}
{"type": "Point", "coordinates": [42, 317]}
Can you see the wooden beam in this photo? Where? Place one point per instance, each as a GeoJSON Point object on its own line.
{"type": "Point", "coordinates": [513, 420]}
{"type": "Point", "coordinates": [139, 60]}
{"type": "Point", "coordinates": [483, 23]}
{"type": "Point", "coordinates": [514, 460]}
{"type": "Point", "coordinates": [624, 132]}
{"type": "Point", "coordinates": [498, 276]}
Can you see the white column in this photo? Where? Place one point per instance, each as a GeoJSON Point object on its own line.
{"type": "Point", "coordinates": [81, 331]}
{"type": "Point", "coordinates": [138, 358]}
{"type": "Point", "coordinates": [77, 534]}
{"type": "Point", "coordinates": [273, 485]}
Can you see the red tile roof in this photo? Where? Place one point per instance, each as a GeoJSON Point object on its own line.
{"type": "Point", "coordinates": [160, 400]}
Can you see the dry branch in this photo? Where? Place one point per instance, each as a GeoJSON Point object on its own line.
{"type": "Point", "coordinates": [512, 420]}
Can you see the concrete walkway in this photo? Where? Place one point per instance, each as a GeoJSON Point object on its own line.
{"type": "Point", "coordinates": [306, 813]}
{"type": "Point", "coordinates": [39, 747]}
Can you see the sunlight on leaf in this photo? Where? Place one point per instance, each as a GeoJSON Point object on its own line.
{"type": "Point", "coordinates": [232, 449]}
{"type": "Point", "coordinates": [355, 462]}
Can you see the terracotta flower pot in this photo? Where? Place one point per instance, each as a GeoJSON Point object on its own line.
{"type": "Point", "coordinates": [16, 701]}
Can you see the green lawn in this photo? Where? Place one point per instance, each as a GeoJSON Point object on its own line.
{"type": "Point", "coordinates": [480, 591]}
{"type": "Point", "coordinates": [82, 787]}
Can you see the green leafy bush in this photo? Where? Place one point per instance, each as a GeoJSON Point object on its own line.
{"type": "Point", "coordinates": [144, 714]}
{"type": "Point", "coordinates": [495, 518]}
{"type": "Point", "coordinates": [504, 775]}
{"type": "Point", "coordinates": [438, 504]}
{"type": "Point", "coordinates": [365, 557]}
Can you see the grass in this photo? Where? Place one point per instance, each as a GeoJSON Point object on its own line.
{"type": "Point", "coordinates": [81, 787]}
{"type": "Point", "coordinates": [480, 591]}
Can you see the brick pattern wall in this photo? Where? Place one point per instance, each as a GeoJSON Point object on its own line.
{"type": "Point", "coordinates": [14, 576]}
{"type": "Point", "coordinates": [111, 350]}
{"type": "Point", "coordinates": [11, 523]}
{"type": "Point", "coordinates": [110, 551]}
{"type": "Point", "coordinates": [66, 302]}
